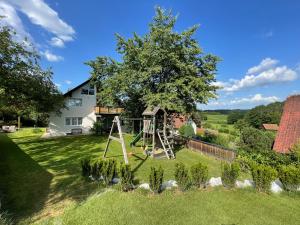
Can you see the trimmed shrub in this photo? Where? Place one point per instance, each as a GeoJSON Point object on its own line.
{"type": "Point", "coordinates": [96, 169]}
{"type": "Point", "coordinates": [97, 127]}
{"type": "Point", "coordinates": [186, 131]}
{"type": "Point", "coordinates": [109, 170]}
{"type": "Point", "coordinates": [199, 175]}
{"type": "Point", "coordinates": [230, 172]}
{"type": "Point", "coordinates": [156, 179]}
{"type": "Point", "coordinates": [86, 167]}
{"type": "Point", "coordinates": [263, 176]}
{"type": "Point", "coordinates": [126, 176]}
{"type": "Point", "coordinates": [182, 176]}
{"type": "Point", "coordinates": [289, 177]}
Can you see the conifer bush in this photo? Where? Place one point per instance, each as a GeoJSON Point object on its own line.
{"type": "Point", "coordinates": [262, 176]}
{"type": "Point", "coordinates": [126, 176]}
{"type": "Point", "coordinates": [156, 179]}
{"type": "Point", "coordinates": [289, 177]}
{"type": "Point", "coordinates": [109, 170]}
{"type": "Point", "coordinates": [230, 173]}
{"type": "Point", "coordinates": [199, 175]}
{"type": "Point", "coordinates": [96, 169]}
{"type": "Point", "coordinates": [182, 176]}
{"type": "Point", "coordinates": [86, 167]}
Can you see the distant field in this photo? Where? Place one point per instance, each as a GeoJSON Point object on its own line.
{"type": "Point", "coordinates": [219, 121]}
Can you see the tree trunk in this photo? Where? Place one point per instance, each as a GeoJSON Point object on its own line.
{"type": "Point", "coordinates": [19, 121]}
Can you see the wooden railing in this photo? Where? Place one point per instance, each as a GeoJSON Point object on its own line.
{"type": "Point", "coordinates": [211, 149]}
{"type": "Point", "coordinates": [108, 110]}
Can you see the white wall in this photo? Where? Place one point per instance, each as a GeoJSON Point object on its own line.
{"type": "Point", "coordinates": [86, 111]}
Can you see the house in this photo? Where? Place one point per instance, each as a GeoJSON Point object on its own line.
{"type": "Point", "coordinates": [270, 126]}
{"type": "Point", "coordinates": [180, 120]}
{"type": "Point", "coordinates": [289, 128]}
{"type": "Point", "coordinates": [81, 112]}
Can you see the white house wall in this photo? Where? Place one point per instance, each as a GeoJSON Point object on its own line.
{"type": "Point", "coordinates": [57, 125]}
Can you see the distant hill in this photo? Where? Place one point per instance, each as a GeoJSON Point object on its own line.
{"type": "Point", "coordinates": [224, 111]}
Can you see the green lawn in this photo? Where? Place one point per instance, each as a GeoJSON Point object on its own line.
{"type": "Point", "coordinates": [44, 175]}
{"type": "Point", "coordinates": [41, 180]}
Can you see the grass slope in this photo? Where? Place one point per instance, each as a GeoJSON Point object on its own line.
{"type": "Point", "coordinates": [216, 206]}
{"type": "Point", "coordinates": [42, 177]}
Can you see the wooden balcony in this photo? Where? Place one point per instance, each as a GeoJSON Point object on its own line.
{"type": "Point", "coordinates": [108, 110]}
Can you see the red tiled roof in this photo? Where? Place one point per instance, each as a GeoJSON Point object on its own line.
{"type": "Point", "coordinates": [270, 126]}
{"type": "Point", "coordinates": [289, 128]}
{"type": "Point", "coordinates": [179, 120]}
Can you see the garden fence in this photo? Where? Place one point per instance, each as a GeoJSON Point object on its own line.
{"type": "Point", "coordinates": [211, 149]}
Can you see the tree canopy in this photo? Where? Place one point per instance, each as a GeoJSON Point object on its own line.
{"type": "Point", "coordinates": [264, 114]}
{"type": "Point", "coordinates": [24, 85]}
{"type": "Point", "coordinates": [162, 67]}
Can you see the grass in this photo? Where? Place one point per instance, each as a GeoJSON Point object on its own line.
{"type": "Point", "coordinates": [42, 184]}
{"type": "Point", "coordinates": [43, 176]}
{"type": "Point", "coordinates": [216, 206]}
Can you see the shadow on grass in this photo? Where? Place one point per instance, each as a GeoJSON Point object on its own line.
{"type": "Point", "coordinates": [24, 183]}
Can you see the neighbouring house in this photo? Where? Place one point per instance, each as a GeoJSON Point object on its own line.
{"type": "Point", "coordinates": [289, 128]}
{"type": "Point", "coordinates": [180, 120]}
{"type": "Point", "coordinates": [81, 112]}
{"type": "Point", "coordinates": [270, 127]}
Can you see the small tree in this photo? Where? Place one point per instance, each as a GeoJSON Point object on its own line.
{"type": "Point", "coordinates": [263, 176]}
{"type": "Point", "coordinates": [230, 173]}
{"type": "Point", "coordinates": [126, 176]}
{"type": "Point", "coordinates": [109, 171]}
{"type": "Point", "coordinates": [85, 167]}
{"type": "Point", "coordinates": [182, 176]}
{"type": "Point", "coordinates": [290, 177]}
{"type": "Point", "coordinates": [156, 179]}
{"type": "Point", "coordinates": [199, 174]}
{"type": "Point", "coordinates": [187, 131]}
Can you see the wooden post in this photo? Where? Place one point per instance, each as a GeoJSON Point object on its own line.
{"type": "Point", "coordinates": [153, 136]}
{"type": "Point", "coordinates": [19, 122]}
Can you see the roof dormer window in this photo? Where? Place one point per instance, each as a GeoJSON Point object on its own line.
{"type": "Point", "coordinates": [88, 90]}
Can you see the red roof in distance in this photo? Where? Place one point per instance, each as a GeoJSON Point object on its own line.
{"type": "Point", "coordinates": [289, 128]}
{"type": "Point", "coordinates": [270, 126]}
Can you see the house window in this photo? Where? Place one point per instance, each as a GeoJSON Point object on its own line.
{"type": "Point", "coordinates": [74, 102]}
{"type": "Point", "coordinates": [68, 121]}
{"type": "Point", "coordinates": [73, 121]}
{"type": "Point", "coordinates": [88, 90]}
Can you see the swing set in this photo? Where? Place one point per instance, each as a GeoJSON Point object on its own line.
{"type": "Point", "coordinates": [156, 134]}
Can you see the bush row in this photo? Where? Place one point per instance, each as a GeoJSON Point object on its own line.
{"type": "Point", "coordinates": [263, 175]}
{"type": "Point", "coordinates": [106, 170]}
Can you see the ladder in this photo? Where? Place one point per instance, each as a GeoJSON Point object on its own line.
{"type": "Point", "coordinates": [117, 123]}
{"type": "Point", "coordinates": [164, 139]}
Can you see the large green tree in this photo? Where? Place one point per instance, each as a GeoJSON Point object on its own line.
{"type": "Point", "coordinates": [162, 67]}
{"type": "Point", "coordinates": [264, 114]}
{"type": "Point", "coordinates": [24, 85]}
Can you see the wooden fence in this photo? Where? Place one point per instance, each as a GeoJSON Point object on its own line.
{"type": "Point", "coordinates": [211, 149]}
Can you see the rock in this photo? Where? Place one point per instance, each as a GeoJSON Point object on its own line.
{"type": "Point", "coordinates": [169, 184]}
{"type": "Point", "coordinates": [115, 180]}
{"type": "Point", "coordinates": [144, 186]}
{"type": "Point", "coordinates": [215, 181]}
{"type": "Point", "coordinates": [276, 186]}
{"type": "Point", "coordinates": [243, 184]}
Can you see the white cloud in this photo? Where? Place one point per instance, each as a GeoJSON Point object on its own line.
{"type": "Point", "coordinates": [265, 64]}
{"type": "Point", "coordinates": [12, 20]}
{"type": "Point", "coordinates": [52, 57]}
{"type": "Point", "coordinates": [58, 85]}
{"type": "Point", "coordinates": [39, 13]}
{"type": "Point", "coordinates": [245, 102]}
{"type": "Point", "coordinates": [68, 82]}
{"type": "Point", "coordinates": [266, 73]}
{"type": "Point", "coordinates": [268, 34]}
{"type": "Point", "coordinates": [257, 99]}
{"type": "Point", "coordinates": [57, 42]}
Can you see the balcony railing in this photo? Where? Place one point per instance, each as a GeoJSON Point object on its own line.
{"type": "Point", "coordinates": [108, 110]}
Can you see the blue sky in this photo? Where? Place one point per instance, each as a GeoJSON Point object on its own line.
{"type": "Point", "coordinates": [258, 41]}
